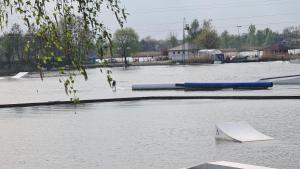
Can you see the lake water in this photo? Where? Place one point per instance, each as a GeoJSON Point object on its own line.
{"type": "Point", "coordinates": [147, 134]}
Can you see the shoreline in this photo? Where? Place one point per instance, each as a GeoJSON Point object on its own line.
{"type": "Point", "coordinates": [18, 68]}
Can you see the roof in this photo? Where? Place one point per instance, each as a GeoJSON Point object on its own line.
{"type": "Point", "coordinates": [187, 46]}
{"type": "Point", "coordinates": [147, 54]}
{"type": "Point", "coordinates": [211, 51]}
{"type": "Point", "coordinates": [276, 46]}
{"type": "Point", "coordinates": [229, 50]}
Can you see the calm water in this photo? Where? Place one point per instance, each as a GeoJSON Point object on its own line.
{"type": "Point", "coordinates": [34, 90]}
{"type": "Point", "coordinates": [147, 134]}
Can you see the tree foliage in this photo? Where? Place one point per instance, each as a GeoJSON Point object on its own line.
{"type": "Point", "coordinates": [205, 35]}
{"type": "Point", "coordinates": [194, 30]}
{"type": "Point", "coordinates": [45, 15]}
{"type": "Point", "coordinates": [149, 44]}
{"type": "Point", "coordinates": [126, 42]}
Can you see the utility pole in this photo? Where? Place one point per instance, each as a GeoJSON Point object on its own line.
{"type": "Point", "coordinates": [238, 29]}
{"type": "Point", "coordinates": [185, 27]}
{"type": "Point", "coordinates": [183, 41]}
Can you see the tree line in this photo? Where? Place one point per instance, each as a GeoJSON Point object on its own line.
{"type": "Point", "coordinates": [126, 42]}
{"type": "Point", "coordinates": [205, 36]}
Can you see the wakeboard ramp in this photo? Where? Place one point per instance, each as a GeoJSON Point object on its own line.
{"type": "Point", "coordinates": [227, 165]}
{"type": "Point", "coordinates": [283, 80]}
{"type": "Point", "coordinates": [239, 131]}
{"type": "Point", "coordinates": [19, 75]}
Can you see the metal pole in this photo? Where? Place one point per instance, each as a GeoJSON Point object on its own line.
{"type": "Point", "coordinates": [183, 41]}
{"type": "Point", "coordinates": [238, 28]}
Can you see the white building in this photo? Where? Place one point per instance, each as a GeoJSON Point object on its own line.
{"type": "Point", "coordinates": [181, 53]}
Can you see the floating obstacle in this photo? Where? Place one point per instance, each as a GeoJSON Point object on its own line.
{"type": "Point", "coordinates": [240, 131]}
{"type": "Point", "coordinates": [19, 75]}
{"type": "Point", "coordinates": [227, 165]}
{"type": "Point", "coordinates": [216, 86]}
{"type": "Point", "coordinates": [203, 86]}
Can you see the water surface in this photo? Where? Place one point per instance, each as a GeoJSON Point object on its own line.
{"type": "Point", "coordinates": [147, 134]}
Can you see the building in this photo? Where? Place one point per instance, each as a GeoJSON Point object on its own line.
{"type": "Point", "coordinates": [276, 51]}
{"type": "Point", "coordinates": [183, 53]}
{"type": "Point", "coordinates": [149, 56]}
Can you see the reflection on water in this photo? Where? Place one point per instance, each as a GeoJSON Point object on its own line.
{"type": "Point", "coordinates": [35, 90]}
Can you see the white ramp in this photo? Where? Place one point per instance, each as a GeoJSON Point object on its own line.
{"type": "Point", "coordinates": [20, 75]}
{"type": "Point", "coordinates": [240, 131]}
{"type": "Point", "coordinates": [227, 165]}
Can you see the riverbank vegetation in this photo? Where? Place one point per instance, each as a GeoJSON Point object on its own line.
{"type": "Point", "coordinates": [125, 43]}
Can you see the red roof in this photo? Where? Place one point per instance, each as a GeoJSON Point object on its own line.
{"type": "Point", "coordinates": [277, 46]}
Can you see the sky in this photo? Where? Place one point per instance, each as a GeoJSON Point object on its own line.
{"type": "Point", "coordinates": [159, 18]}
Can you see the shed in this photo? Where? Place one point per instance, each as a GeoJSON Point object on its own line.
{"type": "Point", "coordinates": [277, 51]}
{"type": "Point", "coordinates": [181, 53]}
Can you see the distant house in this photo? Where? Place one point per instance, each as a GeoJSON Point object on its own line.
{"type": "Point", "coordinates": [275, 52]}
{"type": "Point", "coordinates": [182, 53]}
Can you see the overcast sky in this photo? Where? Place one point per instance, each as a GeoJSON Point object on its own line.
{"type": "Point", "coordinates": [159, 18]}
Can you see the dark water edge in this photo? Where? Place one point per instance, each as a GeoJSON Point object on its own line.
{"type": "Point", "coordinates": [12, 69]}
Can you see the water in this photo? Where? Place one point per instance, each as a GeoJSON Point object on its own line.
{"type": "Point", "coordinates": [35, 90]}
{"type": "Point", "coordinates": [148, 134]}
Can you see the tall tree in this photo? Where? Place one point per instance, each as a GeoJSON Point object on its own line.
{"type": "Point", "coordinates": [194, 30]}
{"type": "Point", "coordinates": [208, 37]}
{"type": "Point", "coordinates": [225, 39]}
{"type": "Point", "coordinates": [172, 41]}
{"type": "Point", "coordinates": [149, 44]}
{"type": "Point", "coordinates": [126, 41]}
{"type": "Point", "coordinates": [251, 35]}
{"type": "Point", "coordinates": [7, 48]}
